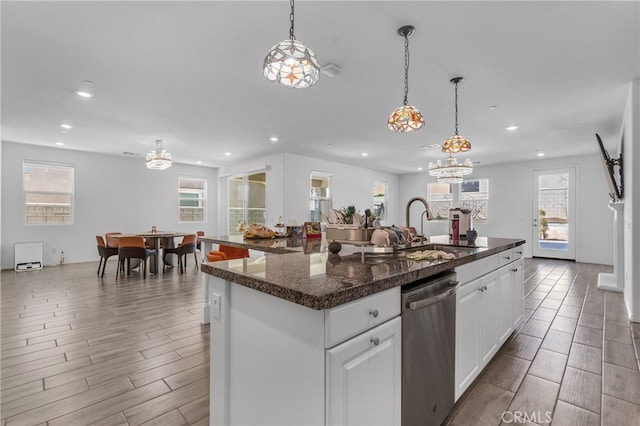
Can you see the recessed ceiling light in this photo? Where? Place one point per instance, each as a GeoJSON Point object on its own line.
{"type": "Point", "coordinates": [328, 145]}
{"type": "Point", "coordinates": [227, 153]}
{"type": "Point", "coordinates": [431, 146]}
{"type": "Point", "coordinates": [60, 143]}
{"type": "Point", "coordinates": [492, 107]}
{"type": "Point", "coordinates": [364, 154]}
{"type": "Point", "coordinates": [66, 126]}
{"type": "Point", "coordinates": [419, 169]}
{"type": "Point", "coordinates": [199, 162]}
{"type": "Point", "coordinates": [512, 128]}
{"type": "Point", "coordinates": [273, 139]}
{"type": "Point", "coordinates": [85, 91]}
{"type": "Point", "coordinates": [540, 154]}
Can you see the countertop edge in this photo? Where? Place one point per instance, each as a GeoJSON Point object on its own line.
{"type": "Point", "coordinates": [339, 297]}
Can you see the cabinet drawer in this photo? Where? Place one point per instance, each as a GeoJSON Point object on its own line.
{"type": "Point", "coordinates": [470, 271]}
{"type": "Point", "coordinates": [506, 257]}
{"type": "Point", "coordinates": [518, 252]}
{"type": "Point", "coordinates": [351, 319]}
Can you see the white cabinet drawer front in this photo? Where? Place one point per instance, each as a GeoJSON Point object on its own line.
{"type": "Point", "coordinates": [351, 319]}
{"type": "Point", "coordinates": [518, 252]}
{"type": "Point", "coordinates": [472, 270]}
{"type": "Point", "coordinates": [364, 378]}
{"type": "Point", "coordinates": [506, 257]}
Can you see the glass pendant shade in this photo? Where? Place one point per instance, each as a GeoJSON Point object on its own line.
{"type": "Point", "coordinates": [406, 118]}
{"type": "Point", "coordinates": [158, 159]}
{"type": "Point", "coordinates": [456, 143]}
{"type": "Point", "coordinates": [451, 171]}
{"type": "Point", "coordinates": [292, 64]}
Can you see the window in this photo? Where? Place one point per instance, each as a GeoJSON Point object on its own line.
{"type": "Point", "coordinates": [320, 196]}
{"type": "Point", "coordinates": [247, 200]}
{"type": "Point", "coordinates": [192, 199]}
{"type": "Point", "coordinates": [48, 193]}
{"type": "Point", "coordinates": [379, 199]}
{"type": "Point", "coordinates": [470, 194]}
{"type": "Point", "coordinates": [474, 195]}
{"type": "Point", "coordinates": [440, 199]}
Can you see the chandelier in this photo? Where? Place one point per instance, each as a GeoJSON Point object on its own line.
{"type": "Point", "coordinates": [158, 159]}
{"type": "Point", "coordinates": [291, 63]}
{"type": "Point", "coordinates": [406, 118]}
{"type": "Point", "coordinates": [451, 171]}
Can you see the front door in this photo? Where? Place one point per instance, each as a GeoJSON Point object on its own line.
{"type": "Point", "coordinates": [553, 216]}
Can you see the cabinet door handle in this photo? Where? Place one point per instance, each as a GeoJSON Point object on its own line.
{"type": "Point", "coordinates": [514, 270]}
{"type": "Point", "coordinates": [519, 252]}
{"type": "Point", "coordinates": [373, 313]}
{"type": "Point", "coordinates": [375, 341]}
{"type": "Point", "coordinates": [507, 257]}
{"type": "Point", "coordinates": [481, 289]}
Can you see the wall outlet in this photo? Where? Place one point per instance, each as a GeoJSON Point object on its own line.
{"type": "Point", "coordinates": [215, 306]}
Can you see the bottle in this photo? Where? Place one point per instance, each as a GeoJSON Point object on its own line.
{"type": "Point", "coordinates": [455, 229]}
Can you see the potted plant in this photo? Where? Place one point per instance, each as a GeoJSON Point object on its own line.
{"type": "Point", "coordinates": [544, 226]}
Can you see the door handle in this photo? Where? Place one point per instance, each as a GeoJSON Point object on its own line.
{"type": "Point", "coordinates": [414, 306]}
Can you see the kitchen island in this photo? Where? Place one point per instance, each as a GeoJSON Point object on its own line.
{"type": "Point", "coordinates": [315, 338]}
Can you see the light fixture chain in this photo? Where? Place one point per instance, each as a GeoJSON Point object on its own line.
{"type": "Point", "coordinates": [456, 108]}
{"type": "Point", "coordinates": [291, 19]}
{"type": "Point", "coordinates": [406, 69]}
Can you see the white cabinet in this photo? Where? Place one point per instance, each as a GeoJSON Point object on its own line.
{"type": "Point", "coordinates": [517, 270]}
{"type": "Point", "coordinates": [489, 306]}
{"type": "Point", "coordinates": [506, 290]}
{"type": "Point", "coordinates": [489, 317]}
{"type": "Point", "coordinates": [467, 335]}
{"type": "Point", "coordinates": [364, 378]}
{"type": "Point", "coordinates": [277, 362]}
{"type": "Point", "coordinates": [476, 328]}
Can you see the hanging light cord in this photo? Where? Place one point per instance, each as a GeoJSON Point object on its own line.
{"type": "Point", "coordinates": [406, 68]}
{"type": "Point", "coordinates": [291, 18]}
{"type": "Point", "coordinates": [456, 108]}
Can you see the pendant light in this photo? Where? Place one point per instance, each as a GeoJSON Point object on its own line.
{"type": "Point", "coordinates": [456, 143]}
{"type": "Point", "coordinates": [452, 171]}
{"type": "Point", "coordinates": [406, 118]}
{"type": "Point", "coordinates": [290, 62]}
{"type": "Point", "coordinates": [158, 159]}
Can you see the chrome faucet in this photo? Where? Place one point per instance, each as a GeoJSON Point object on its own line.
{"type": "Point", "coordinates": [427, 210]}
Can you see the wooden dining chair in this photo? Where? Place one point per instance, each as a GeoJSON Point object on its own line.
{"type": "Point", "coordinates": [133, 248]}
{"type": "Point", "coordinates": [188, 245]}
{"type": "Point", "coordinates": [105, 253]}
{"type": "Point", "coordinates": [227, 253]}
{"type": "Point", "coordinates": [111, 240]}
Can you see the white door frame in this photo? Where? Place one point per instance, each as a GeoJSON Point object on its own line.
{"type": "Point", "coordinates": [537, 250]}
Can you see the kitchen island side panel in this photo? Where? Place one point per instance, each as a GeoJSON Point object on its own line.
{"type": "Point", "coordinates": [275, 360]}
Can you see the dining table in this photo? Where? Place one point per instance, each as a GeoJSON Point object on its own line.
{"type": "Point", "coordinates": [155, 239]}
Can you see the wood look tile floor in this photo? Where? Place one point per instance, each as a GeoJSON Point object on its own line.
{"type": "Point", "coordinates": [573, 362]}
{"type": "Point", "coordinates": [80, 350]}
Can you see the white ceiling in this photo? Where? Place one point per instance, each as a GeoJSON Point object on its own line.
{"type": "Point", "coordinates": [190, 73]}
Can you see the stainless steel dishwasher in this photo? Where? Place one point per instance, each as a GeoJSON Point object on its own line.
{"type": "Point", "coordinates": [428, 349]}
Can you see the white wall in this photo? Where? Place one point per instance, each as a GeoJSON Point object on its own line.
{"type": "Point", "coordinates": [111, 194]}
{"type": "Point", "coordinates": [350, 185]}
{"type": "Point", "coordinates": [510, 205]}
{"type": "Point", "coordinates": [631, 149]}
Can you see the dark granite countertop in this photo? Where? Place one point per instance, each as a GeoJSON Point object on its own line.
{"type": "Point", "coordinates": [268, 245]}
{"type": "Point", "coordinates": [322, 280]}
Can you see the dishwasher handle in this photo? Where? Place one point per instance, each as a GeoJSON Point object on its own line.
{"type": "Point", "coordinates": [423, 303]}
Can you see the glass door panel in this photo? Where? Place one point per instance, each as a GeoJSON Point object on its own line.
{"type": "Point", "coordinates": [256, 198]}
{"type": "Point", "coordinates": [553, 216]}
